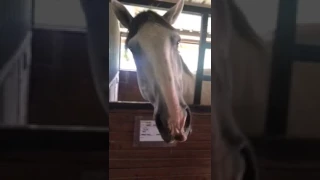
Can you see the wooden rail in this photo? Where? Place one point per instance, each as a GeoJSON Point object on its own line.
{"type": "Point", "coordinates": [53, 138]}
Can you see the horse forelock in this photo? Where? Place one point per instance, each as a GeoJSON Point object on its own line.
{"type": "Point", "coordinates": [141, 19]}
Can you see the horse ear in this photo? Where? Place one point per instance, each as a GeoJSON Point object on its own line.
{"type": "Point", "coordinates": [172, 15]}
{"type": "Point", "coordinates": [122, 13]}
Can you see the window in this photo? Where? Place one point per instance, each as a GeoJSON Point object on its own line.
{"type": "Point", "coordinates": [189, 54]}
{"type": "Point", "coordinates": [126, 59]}
{"type": "Point", "coordinates": [209, 28]}
{"type": "Point", "coordinates": [207, 59]}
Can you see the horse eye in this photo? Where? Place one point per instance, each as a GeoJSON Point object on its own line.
{"type": "Point", "coordinates": [130, 47]}
{"type": "Point", "coordinates": [178, 40]}
{"type": "Point", "coordinates": [175, 40]}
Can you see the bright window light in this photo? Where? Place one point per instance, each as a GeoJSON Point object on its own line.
{"type": "Point", "coordinates": [209, 26]}
{"type": "Point", "coordinates": [182, 23]}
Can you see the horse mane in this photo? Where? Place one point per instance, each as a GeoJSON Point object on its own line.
{"type": "Point", "coordinates": [242, 27]}
{"type": "Point", "coordinates": [143, 17]}
{"type": "Point", "coordinates": [185, 67]}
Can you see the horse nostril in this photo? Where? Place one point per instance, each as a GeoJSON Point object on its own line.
{"type": "Point", "coordinates": [180, 137]}
{"type": "Point", "coordinates": [188, 120]}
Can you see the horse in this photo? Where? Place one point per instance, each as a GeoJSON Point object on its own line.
{"type": "Point", "coordinates": [164, 79]}
{"type": "Point", "coordinates": [166, 82]}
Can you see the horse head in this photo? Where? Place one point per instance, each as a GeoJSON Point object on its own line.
{"type": "Point", "coordinates": [160, 70]}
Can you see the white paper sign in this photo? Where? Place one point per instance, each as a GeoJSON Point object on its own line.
{"type": "Point", "coordinates": [149, 131]}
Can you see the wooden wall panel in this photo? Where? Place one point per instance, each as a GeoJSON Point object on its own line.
{"type": "Point", "coordinates": [128, 80]}
{"type": "Point", "coordinates": [278, 160]}
{"type": "Point", "coordinates": [190, 160]}
{"type": "Point", "coordinates": [15, 41]}
{"type": "Point", "coordinates": [10, 96]}
{"type": "Point", "coordinates": [61, 88]}
{"type": "Point", "coordinates": [14, 81]}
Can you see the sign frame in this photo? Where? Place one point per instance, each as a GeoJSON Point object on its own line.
{"type": "Point", "coordinates": [136, 135]}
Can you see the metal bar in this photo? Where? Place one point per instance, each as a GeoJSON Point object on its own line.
{"type": "Point", "coordinates": [208, 45]}
{"type": "Point", "coordinates": [199, 75]}
{"type": "Point", "coordinates": [206, 78]}
{"type": "Point", "coordinates": [307, 53]}
{"type": "Point", "coordinates": [166, 5]}
{"type": "Point", "coordinates": [281, 68]}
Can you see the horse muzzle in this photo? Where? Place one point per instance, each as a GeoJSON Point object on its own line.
{"type": "Point", "coordinates": [174, 127]}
